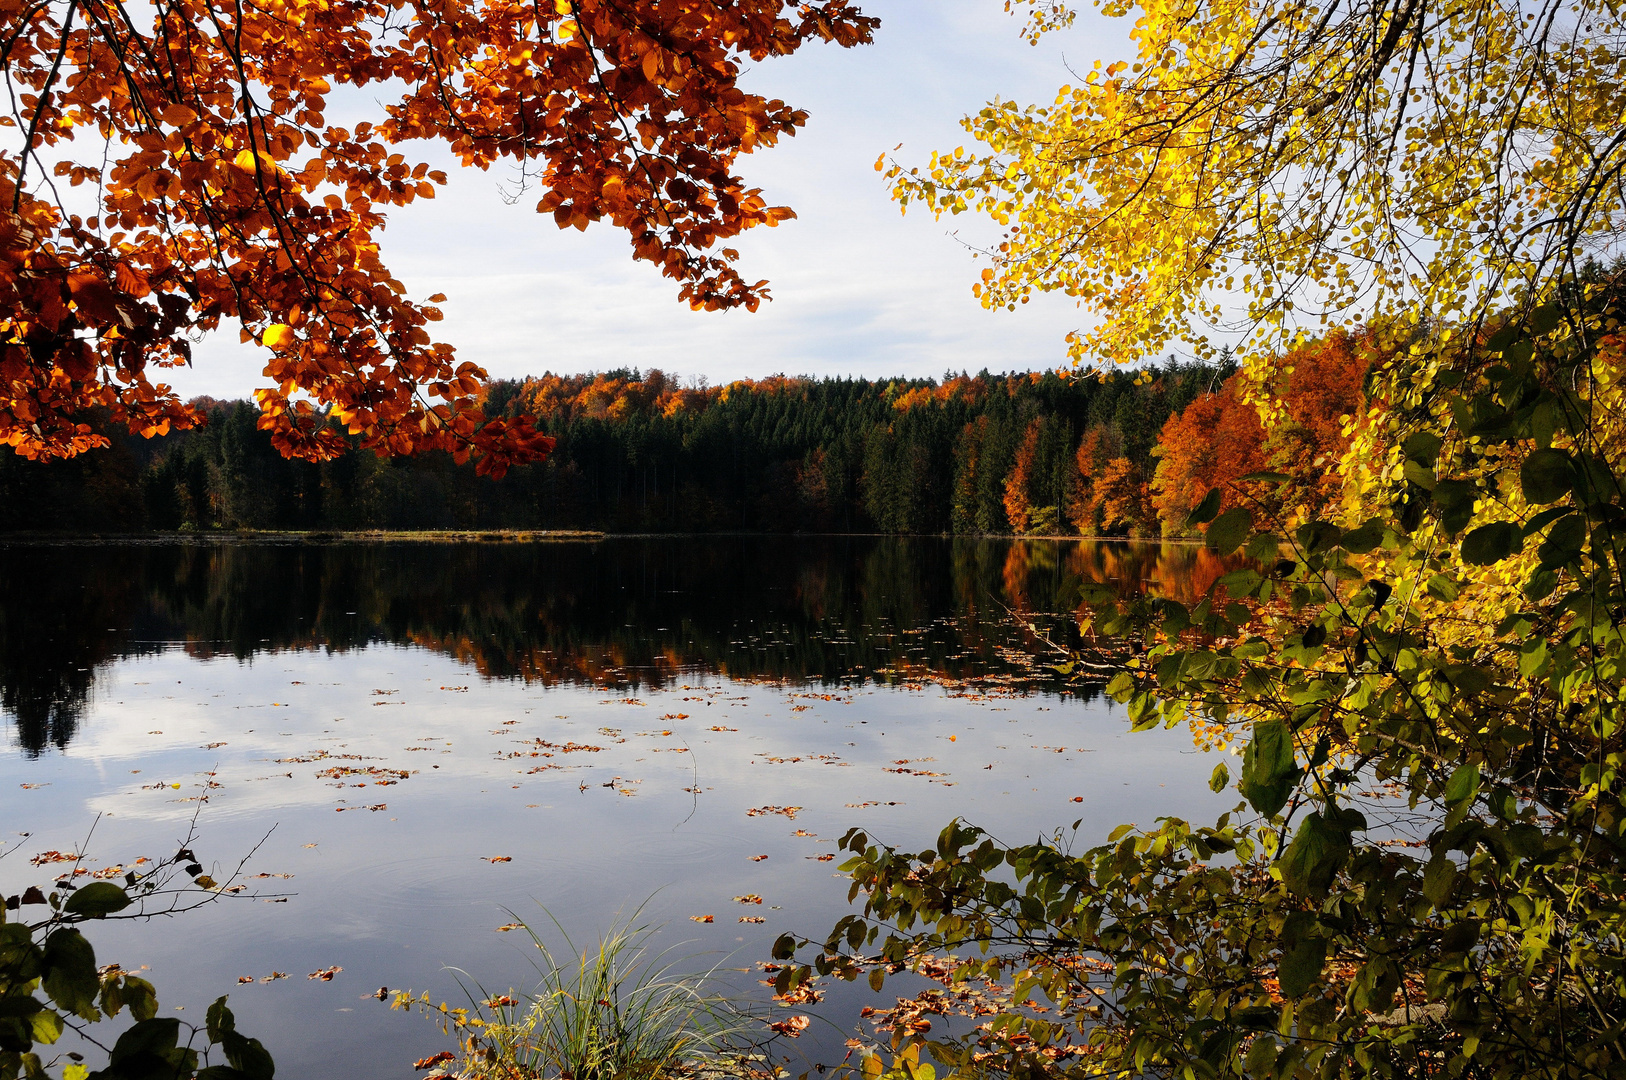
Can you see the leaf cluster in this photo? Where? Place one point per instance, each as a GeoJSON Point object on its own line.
{"type": "Point", "coordinates": [1425, 877]}
{"type": "Point", "coordinates": [50, 983]}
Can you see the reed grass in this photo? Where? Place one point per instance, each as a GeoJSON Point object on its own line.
{"type": "Point", "coordinates": [619, 1011]}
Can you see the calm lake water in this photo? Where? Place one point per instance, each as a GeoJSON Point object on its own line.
{"type": "Point", "coordinates": [625, 722]}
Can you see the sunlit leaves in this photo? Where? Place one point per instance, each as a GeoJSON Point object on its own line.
{"type": "Point", "coordinates": [1286, 168]}
{"type": "Point", "coordinates": [219, 192]}
{"type": "Point", "coordinates": [1426, 683]}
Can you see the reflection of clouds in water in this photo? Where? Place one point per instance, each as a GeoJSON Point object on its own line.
{"type": "Point", "coordinates": [373, 657]}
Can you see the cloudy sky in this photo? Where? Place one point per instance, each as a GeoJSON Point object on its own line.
{"type": "Point", "coordinates": [858, 288]}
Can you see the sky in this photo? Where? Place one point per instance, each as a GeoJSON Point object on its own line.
{"type": "Point", "coordinates": [859, 289]}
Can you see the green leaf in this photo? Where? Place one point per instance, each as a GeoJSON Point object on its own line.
{"type": "Point", "coordinates": [1544, 519]}
{"type": "Point", "coordinates": [1419, 474]}
{"type": "Point", "coordinates": [150, 1041]}
{"type": "Point", "coordinates": [250, 1058]}
{"type": "Point", "coordinates": [1220, 777]}
{"type": "Point", "coordinates": [1301, 965]}
{"type": "Point", "coordinates": [1492, 543]}
{"type": "Point", "coordinates": [1361, 540]}
{"type": "Point", "coordinates": [1545, 319]}
{"type": "Point", "coordinates": [97, 899]}
{"type": "Point", "coordinates": [1455, 498]}
{"type": "Point", "coordinates": [46, 1025]}
{"type": "Point", "coordinates": [1318, 536]}
{"type": "Point", "coordinates": [1564, 542]}
{"type": "Point", "coordinates": [1460, 791]}
{"type": "Point", "coordinates": [1422, 446]}
{"type": "Point", "coordinates": [1120, 686]}
{"type": "Point", "coordinates": [1320, 846]}
{"type": "Point", "coordinates": [1268, 772]}
{"type": "Point", "coordinates": [1204, 511]}
{"type": "Point", "coordinates": [219, 1019]}
{"type": "Point", "coordinates": [70, 972]}
{"type": "Point", "coordinates": [1228, 531]}
{"type": "Point", "coordinates": [1546, 476]}
{"type": "Point", "coordinates": [1441, 588]}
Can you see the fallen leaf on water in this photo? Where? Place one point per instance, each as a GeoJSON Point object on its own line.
{"type": "Point", "coordinates": [801, 995]}
{"type": "Point", "coordinates": [748, 898]}
{"type": "Point", "coordinates": [821, 858]}
{"type": "Point", "coordinates": [431, 1062]}
{"type": "Point", "coordinates": [245, 978]}
{"type": "Point", "coordinates": [505, 927]}
{"type": "Point", "coordinates": [803, 832]}
{"type": "Point", "coordinates": [325, 974]}
{"type": "Point", "coordinates": [498, 858]}
{"type": "Point", "coordinates": [53, 856]}
{"type": "Point", "coordinates": [788, 811]}
{"type": "Point", "coordinates": [758, 858]}
{"type": "Point", "coordinates": [752, 918]}
{"type": "Point", "coordinates": [725, 729]}
{"type": "Point", "coordinates": [793, 1026]}
{"type": "Point", "coordinates": [499, 1001]}
{"type": "Point", "coordinates": [275, 975]}
{"type": "Point", "coordinates": [701, 918]}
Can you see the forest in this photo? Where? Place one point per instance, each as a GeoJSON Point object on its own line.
{"type": "Point", "coordinates": [1116, 453]}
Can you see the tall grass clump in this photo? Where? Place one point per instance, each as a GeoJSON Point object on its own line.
{"type": "Point", "coordinates": [619, 1011]}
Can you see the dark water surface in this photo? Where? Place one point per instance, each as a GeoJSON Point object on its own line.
{"type": "Point", "coordinates": [611, 717]}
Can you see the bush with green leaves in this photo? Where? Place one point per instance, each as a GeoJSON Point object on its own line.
{"type": "Point", "coordinates": [1426, 873]}
{"type": "Point", "coordinates": [50, 984]}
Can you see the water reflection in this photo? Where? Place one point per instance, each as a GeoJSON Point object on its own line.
{"type": "Point", "coordinates": [620, 612]}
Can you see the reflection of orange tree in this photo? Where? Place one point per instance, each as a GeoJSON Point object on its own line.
{"type": "Point", "coordinates": [616, 615]}
{"type": "Point", "coordinates": [1182, 572]}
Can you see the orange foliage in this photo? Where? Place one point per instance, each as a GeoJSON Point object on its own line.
{"type": "Point", "coordinates": [217, 190]}
{"type": "Point", "coordinates": [1323, 388]}
{"type": "Point", "coordinates": [967, 388]}
{"type": "Point", "coordinates": [1095, 449]}
{"type": "Point", "coordinates": [1018, 502]}
{"type": "Point", "coordinates": [1125, 503]}
{"type": "Point", "coordinates": [1218, 439]}
{"type": "Point", "coordinates": [1213, 443]}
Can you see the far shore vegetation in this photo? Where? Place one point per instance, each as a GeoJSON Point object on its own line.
{"type": "Point", "coordinates": [1122, 454]}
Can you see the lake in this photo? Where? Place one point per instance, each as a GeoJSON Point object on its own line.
{"type": "Point", "coordinates": [418, 743]}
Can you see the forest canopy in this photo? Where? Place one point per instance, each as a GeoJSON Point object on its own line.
{"type": "Point", "coordinates": [1028, 453]}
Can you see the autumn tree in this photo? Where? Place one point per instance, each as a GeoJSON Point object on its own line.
{"type": "Point", "coordinates": [1420, 873]}
{"type": "Point", "coordinates": [171, 169]}
{"type": "Point", "coordinates": [1213, 443]}
{"type": "Point", "coordinates": [1018, 499]}
{"type": "Point", "coordinates": [1310, 160]}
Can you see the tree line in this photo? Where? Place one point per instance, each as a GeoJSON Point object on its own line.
{"type": "Point", "coordinates": [1113, 454]}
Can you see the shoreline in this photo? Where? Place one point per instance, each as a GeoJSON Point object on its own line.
{"type": "Point", "coordinates": [499, 536]}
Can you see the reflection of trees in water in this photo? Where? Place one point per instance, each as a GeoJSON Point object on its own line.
{"type": "Point", "coordinates": [619, 613]}
{"type": "Point", "coordinates": [61, 616]}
